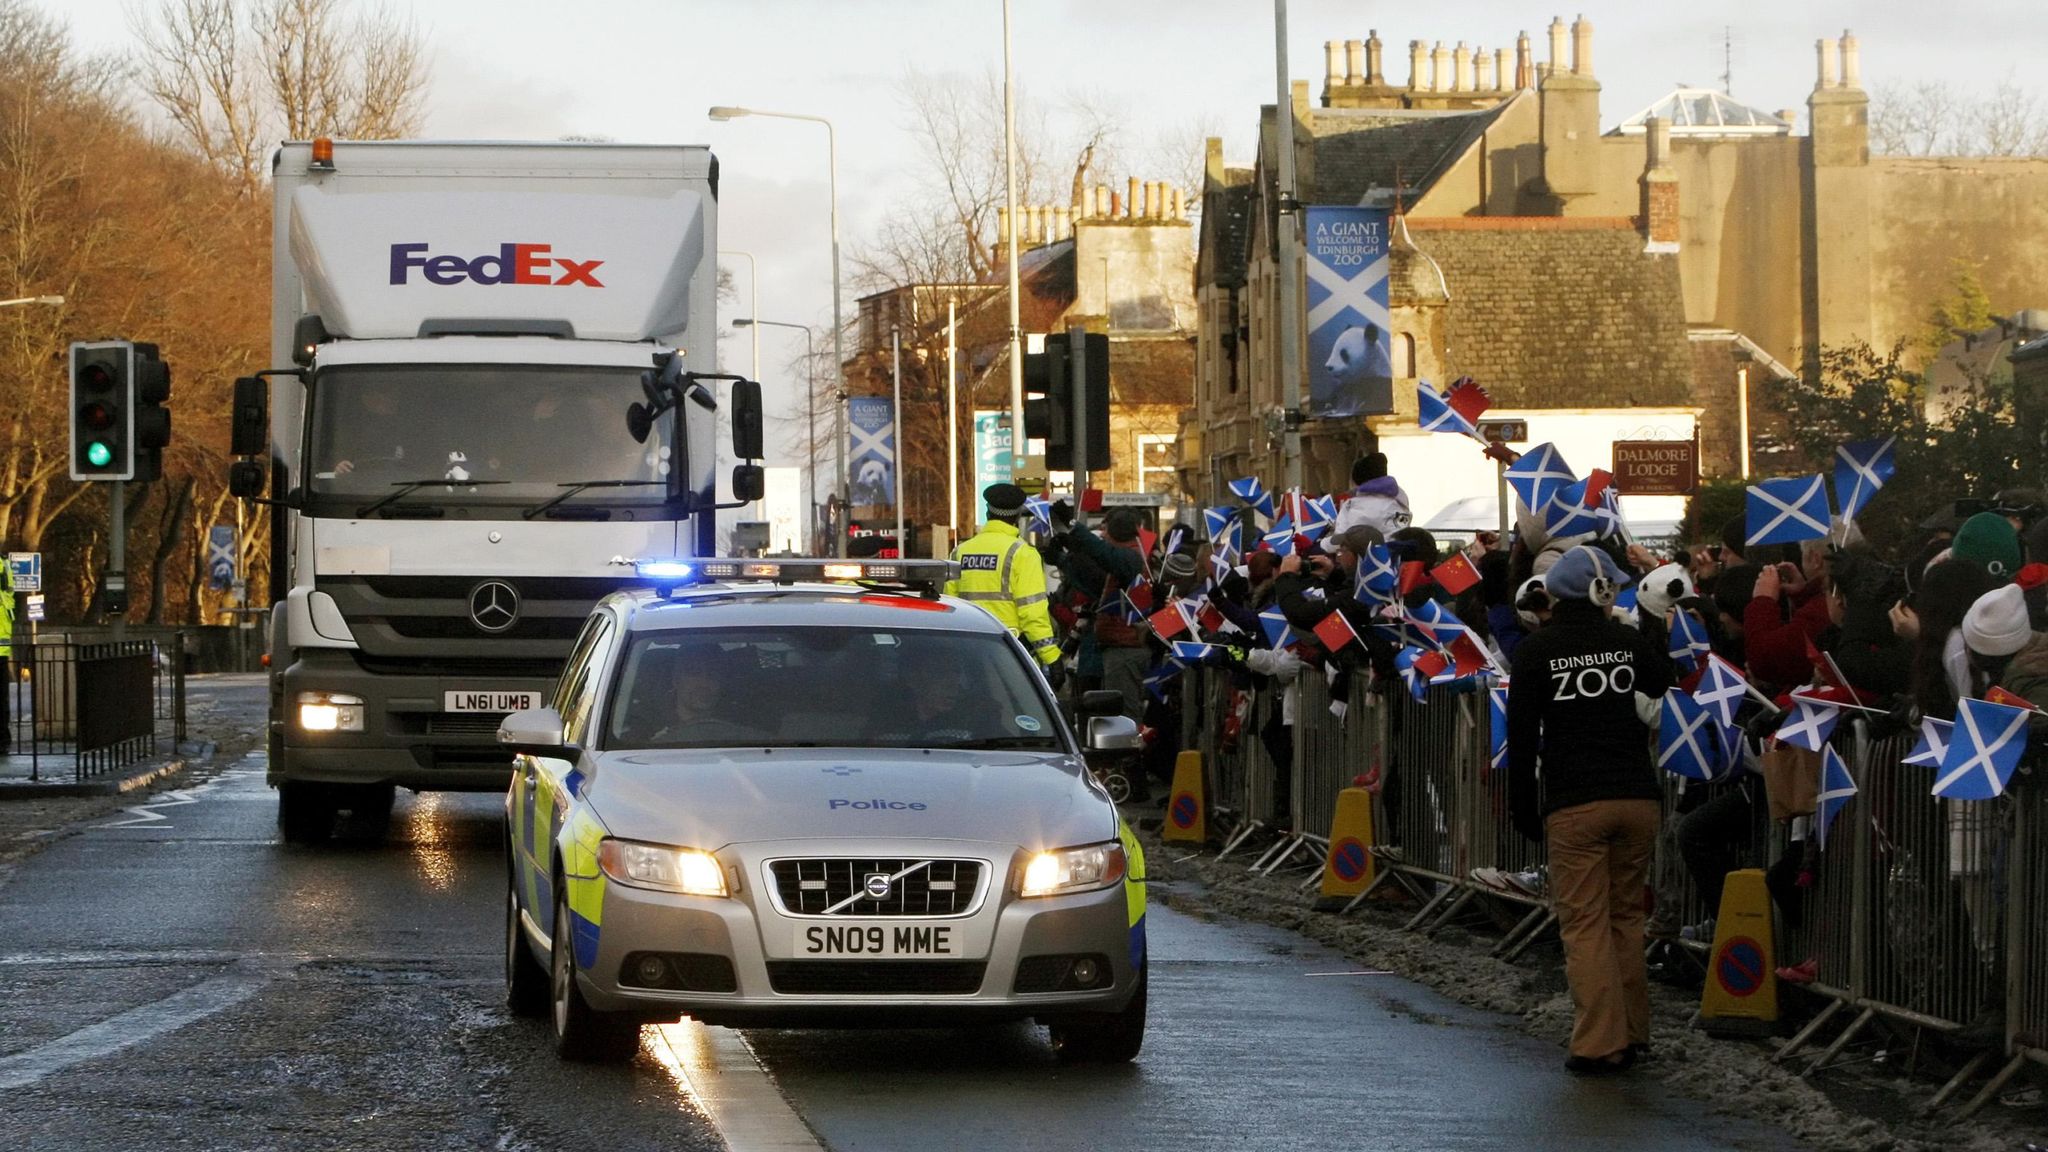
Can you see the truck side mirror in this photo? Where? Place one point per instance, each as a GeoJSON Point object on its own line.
{"type": "Point", "coordinates": [249, 430]}
{"type": "Point", "coordinates": [746, 420]}
{"type": "Point", "coordinates": [748, 482]}
{"type": "Point", "coordinates": [247, 479]}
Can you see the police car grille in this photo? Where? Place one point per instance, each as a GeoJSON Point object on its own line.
{"type": "Point", "coordinates": [876, 977]}
{"type": "Point", "coordinates": [941, 888]}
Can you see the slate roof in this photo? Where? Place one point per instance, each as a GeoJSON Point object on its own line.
{"type": "Point", "coordinates": [1361, 156]}
{"type": "Point", "coordinates": [1226, 229]}
{"type": "Point", "coordinates": [1560, 317]}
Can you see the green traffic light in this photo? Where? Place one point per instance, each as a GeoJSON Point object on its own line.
{"type": "Point", "coordinates": [98, 454]}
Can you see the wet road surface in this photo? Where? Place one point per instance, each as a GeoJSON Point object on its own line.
{"type": "Point", "coordinates": [174, 977]}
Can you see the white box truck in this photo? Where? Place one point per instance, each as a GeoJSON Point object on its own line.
{"type": "Point", "coordinates": [492, 381]}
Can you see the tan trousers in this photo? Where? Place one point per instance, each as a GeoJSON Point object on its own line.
{"type": "Point", "coordinates": [1599, 862]}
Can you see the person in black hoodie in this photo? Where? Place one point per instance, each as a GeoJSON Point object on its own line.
{"type": "Point", "coordinates": [1572, 712]}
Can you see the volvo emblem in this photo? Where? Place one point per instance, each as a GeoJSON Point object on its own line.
{"type": "Point", "coordinates": [877, 885]}
{"type": "Point", "coordinates": [494, 605]}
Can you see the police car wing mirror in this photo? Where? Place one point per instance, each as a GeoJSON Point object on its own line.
{"type": "Point", "coordinates": [1112, 734]}
{"type": "Point", "coordinates": [534, 732]}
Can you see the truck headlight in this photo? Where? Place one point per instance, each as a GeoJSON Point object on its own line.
{"type": "Point", "coordinates": [1065, 870]}
{"type": "Point", "coordinates": [330, 712]}
{"type": "Point", "coordinates": [690, 871]}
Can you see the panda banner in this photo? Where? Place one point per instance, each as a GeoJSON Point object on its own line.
{"type": "Point", "coordinates": [1350, 341]}
{"type": "Point", "coordinates": [871, 452]}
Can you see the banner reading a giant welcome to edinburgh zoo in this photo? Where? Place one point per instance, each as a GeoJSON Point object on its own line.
{"type": "Point", "coordinates": [1350, 366]}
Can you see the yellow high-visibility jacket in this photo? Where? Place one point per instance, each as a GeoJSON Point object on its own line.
{"type": "Point", "coordinates": [1003, 576]}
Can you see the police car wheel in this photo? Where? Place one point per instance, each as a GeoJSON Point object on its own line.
{"type": "Point", "coordinates": [526, 982]}
{"type": "Point", "coordinates": [1105, 1038]}
{"type": "Point", "coordinates": [581, 1032]}
{"type": "Point", "coordinates": [305, 812]}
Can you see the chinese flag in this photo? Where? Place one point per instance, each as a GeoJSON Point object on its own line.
{"type": "Point", "coordinates": [1455, 575]}
{"type": "Point", "coordinates": [1413, 576]}
{"type": "Point", "coordinates": [2001, 696]}
{"type": "Point", "coordinates": [1335, 632]}
{"type": "Point", "coordinates": [1597, 483]}
{"type": "Point", "coordinates": [1169, 622]}
{"type": "Point", "coordinates": [1468, 399]}
{"type": "Point", "coordinates": [1211, 618]}
{"type": "Point", "coordinates": [1468, 657]}
{"type": "Point", "coordinates": [1141, 597]}
{"type": "Point", "coordinates": [1430, 664]}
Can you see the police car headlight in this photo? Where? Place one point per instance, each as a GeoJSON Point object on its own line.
{"type": "Point", "coordinates": [690, 871]}
{"type": "Point", "coordinates": [330, 712]}
{"type": "Point", "coordinates": [1083, 869]}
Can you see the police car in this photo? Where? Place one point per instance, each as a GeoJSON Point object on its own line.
{"type": "Point", "coordinates": [798, 793]}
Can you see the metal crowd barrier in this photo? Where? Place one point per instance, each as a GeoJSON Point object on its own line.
{"type": "Point", "coordinates": [1927, 913]}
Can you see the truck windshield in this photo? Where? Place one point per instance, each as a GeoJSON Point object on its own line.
{"type": "Point", "coordinates": [498, 434]}
{"type": "Point", "coordinates": [797, 687]}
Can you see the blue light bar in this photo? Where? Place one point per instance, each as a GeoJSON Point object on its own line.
{"type": "Point", "coordinates": [665, 570]}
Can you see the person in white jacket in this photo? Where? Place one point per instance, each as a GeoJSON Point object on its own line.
{"type": "Point", "coordinates": [1376, 500]}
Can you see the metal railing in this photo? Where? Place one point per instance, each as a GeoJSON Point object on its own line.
{"type": "Point", "coordinates": [86, 708]}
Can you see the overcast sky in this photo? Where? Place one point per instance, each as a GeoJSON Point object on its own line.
{"type": "Point", "coordinates": [646, 70]}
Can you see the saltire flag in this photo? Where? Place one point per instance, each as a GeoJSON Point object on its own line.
{"type": "Point", "coordinates": [1225, 532]}
{"type": "Point", "coordinates": [1538, 476]}
{"type": "Point", "coordinates": [1731, 748]}
{"type": "Point", "coordinates": [1787, 510]}
{"type": "Point", "coordinates": [1175, 537]}
{"type": "Point", "coordinates": [1290, 505]}
{"type": "Point", "coordinates": [1274, 622]}
{"type": "Point", "coordinates": [1933, 745]}
{"type": "Point", "coordinates": [1986, 743]}
{"type": "Point", "coordinates": [1497, 712]}
{"type": "Point", "coordinates": [1625, 600]}
{"type": "Point", "coordinates": [1861, 468]}
{"type": "Point", "coordinates": [1173, 620]}
{"type": "Point", "coordinates": [1156, 680]}
{"type": "Point", "coordinates": [1722, 688]}
{"type": "Point", "coordinates": [1041, 513]}
{"type": "Point", "coordinates": [1837, 788]}
{"type": "Point", "coordinates": [1455, 575]}
{"type": "Point", "coordinates": [1439, 623]}
{"type": "Point", "coordinates": [1249, 490]}
{"type": "Point", "coordinates": [1468, 399]}
{"type": "Point", "coordinates": [1335, 632]}
{"type": "Point", "coordinates": [1687, 743]}
{"type": "Point", "coordinates": [1378, 577]}
{"type": "Point", "coordinates": [1583, 507]}
{"type": "Point", "coordinates": [1280, 541]}
{"type": "Point", "coordinates": [1318, 514]}
{"type": "Point", "coordinates": [1809, 724]}
{"type": "Point", "coordinates": [1433, 411]}
{"type": "Point", "coordinates": [1688, 639]}
{"type": "Point", "coordinates": [1194, 651]}
{"type": "Point", "coordinates": [1220, 569]}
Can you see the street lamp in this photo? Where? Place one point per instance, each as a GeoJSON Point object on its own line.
{"type": "Point", "coordinates": [722, 113]}
{"type": "Point", "coordinates": [31, 300]}
{"type": "Point", "coordinates": [810, 408]}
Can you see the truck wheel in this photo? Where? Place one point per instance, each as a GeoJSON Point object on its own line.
{"type": "Point", "coordinates": [526, 982]}
{"type": "Point", "coordinates": [369, 810]}
{"type": "Point", "coordinates": [581, 1032]}
{"type": "Point", "coordinates": [1105, 1038]}
{"type": "Point", "coordinates": [305, 812]}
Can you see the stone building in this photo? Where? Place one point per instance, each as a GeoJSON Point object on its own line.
{"type": "Point", "coordinates": [1117, 262]}
{"type": "Point", "coordinates": [1680, 262]}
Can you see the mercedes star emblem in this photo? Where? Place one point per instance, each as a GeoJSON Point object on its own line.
{"type": "Point", "coordinates": [494, 605]}
{"type": "Point", "coordinates": [877, 885]}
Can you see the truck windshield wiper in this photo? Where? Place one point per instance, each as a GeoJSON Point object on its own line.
{"type": "Point", "coordinates": [569, 490]}
{"type": "Point", "coordinates": [408, 487]}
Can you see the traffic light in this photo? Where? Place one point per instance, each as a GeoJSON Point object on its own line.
{"type": "Point", "coordinates": [152, 420]}
{"type": "Point", "coordinates": [102, 418]}
{"type": "Point", "coordinates": [1049, 400]}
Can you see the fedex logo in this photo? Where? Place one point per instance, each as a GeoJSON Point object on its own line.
{"type": "Point", "coordinates": [510, 264]}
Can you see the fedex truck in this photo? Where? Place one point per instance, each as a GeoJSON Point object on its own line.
{"type": "Point", "coordinates": [492, 389]}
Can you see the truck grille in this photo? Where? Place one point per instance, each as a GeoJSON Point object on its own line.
{"type": "Point", "coordinates": [876, 977]}
{"type": "Point", "coordinates": [940, 888]}
{"type": "Point", "coordinates": [464, 723]}
{"type": "Point", "coordinates": [427, 618]}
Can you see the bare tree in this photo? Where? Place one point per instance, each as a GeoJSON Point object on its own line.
{"type": "Point", "coordinates": [230, 74]}
{"type": "Point", "coordinates": [1934, 118]}
{"type": "Point", "coordinates": [2010, 121]}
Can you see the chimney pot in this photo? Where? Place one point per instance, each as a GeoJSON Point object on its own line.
{"type": "Point", "coordinates": [1373, 75]}
{"type": "Point", "coordinates": [1482, 70]}
{"type": "Point", "coordinates": [1062, 222]}
{"type": "Point", "coordinates": [1131, 196]}
{"type": "Point", "coordinates": [1826, 51]}
{"type": "Point", "coordinates": [1333, 64]}
{"type": "Point", "coordinates": [1440, 68]}
{"type": "Point", "coordinates": [1461, 76]}
{"type": "Point", "coordinates": [1582, 47]}
{"type": "Point", "coordinates": [1789, 115]}
{"type": "Point", "coordinates": [1354, 62]}
{"type": "Point", "coordinates": [1525, 64]}
{"type": "Point", "coordinates": [1180, 208]}
{"type": "Point", "coordinates": [1557, 44]}
{"type": "Point", "coordinates": [1116, 204]}
{"type": "Point", "coordinates": [1418, 60]}
{"type": "Point", "coordinates": [1852, 62]}
{"type": "Point", "coordinates": [1502, 73]}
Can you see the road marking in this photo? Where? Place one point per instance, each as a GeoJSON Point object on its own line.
{"type": "Point", "coordinates": [148, 816]}
{"type": "Point", "coordinates": [1368, 972]}
{"type": "Point", "coordinates": [718, 1069]}
{"type": "Point", "coordinates": [131, 1027]}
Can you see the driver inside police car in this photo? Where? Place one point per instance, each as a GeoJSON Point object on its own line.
{"type": "Point", "coordinates": [1580, 775]}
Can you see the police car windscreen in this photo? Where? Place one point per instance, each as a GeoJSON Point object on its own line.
{"type": "Point", "coordinates": [527, 429]}
{"type": "Point", "coordinates": [797, 687]}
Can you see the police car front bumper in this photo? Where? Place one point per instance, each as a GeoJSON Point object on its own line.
{"type": "Point", "coordinates": [1017, 962]}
